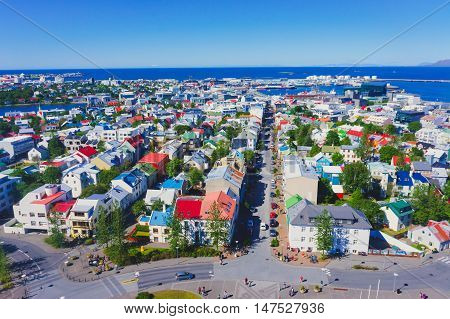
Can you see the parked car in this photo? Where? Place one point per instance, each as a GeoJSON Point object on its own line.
{"type": "Point", "coordinates": [273, 233]}
{"type": "Point", "coordinates": [273, 223]}
{"type": "Point", "coordinates": [263, 226]}
{"type": "Point", "coordinates": [313, 259]}
{"type": "Point", "coordinates": [184, 275]}
{"type": "Point", "coordinates": [272, 194]}
{"type": "Point", "coordinates": [362, 253]}
{"type": "Point", "coordinates": [274, 205]}
{"type": "Point", "coordinates": [273, 215]}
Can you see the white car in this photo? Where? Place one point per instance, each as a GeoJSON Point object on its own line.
{"type": "Point", "coordinates": [263, 226]}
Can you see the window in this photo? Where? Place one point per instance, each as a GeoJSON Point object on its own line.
{"type": "Point", "coordinates": [311, 229]}
{"type": "Point", "coordinates": [302, 239]}
{"type": "Point", "coordinates": [354, 251]}
{"type": "Point", "coordinates": [155, 230]}
{"type": "Point", "coordinates": [166, 231]}
{"type": "Point", "coordinates": [32, 214]}
{"type": "Point", "coordinates": [41, 215]}
{"type": "Point", "coordinates": [33, 223]}
{"type": "Point", "coordinates": [355, 241]}
{"type": "Point", "coordinates": [155, 239]}
{"type": "Point", "coordinates": [355, 232]}
{"type": "Point", "coordinates": [311, 239]}
{"type": "Point", "coordinates": [303, 229]}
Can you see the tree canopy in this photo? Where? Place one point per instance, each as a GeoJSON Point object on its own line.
{"type": "Point", "coordinates": [174, 167]}
{"type": "Point", "coordinates": [355, 176]}
{"type": "Point", "coordinates": [428, 204]}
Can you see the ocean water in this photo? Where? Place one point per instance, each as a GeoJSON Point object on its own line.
{"type": "Point", "coordinates": [432, 91]}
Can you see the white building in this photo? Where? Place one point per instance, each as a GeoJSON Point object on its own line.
{"type": "Point", "coordinates": [78, 177]}
{"type": "Point", "coordinates": [435, 235]}
{"type": "Point", "coordinates": [134, 182]}
{"type": "Point", "coordinates": [7, 192]}
{"type": "Point", "coordinates": [33, 210]}
{"type": "Point", "coordinates": [433, 136]}
{"type": "Point", "coordinates": [17, 145]}
{"type": "Point", "coordinates": [351, 229]}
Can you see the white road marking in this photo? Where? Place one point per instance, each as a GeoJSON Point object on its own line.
{"type": "Point", "coordinates": [38, 267]}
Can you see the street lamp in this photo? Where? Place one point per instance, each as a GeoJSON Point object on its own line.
{"type": "Point", "coordinates": [395, 277]}
{"type": "Point", "coordinates": [177, 250]}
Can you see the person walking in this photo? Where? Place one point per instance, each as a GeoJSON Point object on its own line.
{"type": "Point", "coordinates": [291, 292]}
{"type": "Point", "coordinates": [246, 281]}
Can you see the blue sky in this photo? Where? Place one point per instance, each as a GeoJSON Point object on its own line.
{"type": "Point", "coordinates": [220, 33]}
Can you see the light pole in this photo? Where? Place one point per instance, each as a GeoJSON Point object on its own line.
{"type": "Point", "coordinates": [177, 250]}
{"type": "Point", "coordinates": [395, 277]}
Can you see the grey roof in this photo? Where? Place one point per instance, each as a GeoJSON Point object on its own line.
{"type": "Point", "coordinates": [304, 213]}
{"type": "Point", "coordinates": [421, 166]}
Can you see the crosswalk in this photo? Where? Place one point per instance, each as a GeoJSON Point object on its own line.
{"type": "Point", "coordinates": [445, 260]}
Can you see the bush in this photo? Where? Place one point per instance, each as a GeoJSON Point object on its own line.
{"type": "Point", "coordinates": [142, 228]}
{"type": "Point", "coordinates": [89, 241]}
{"type": "Point", "coordinates": [362, 267]}
{"type": "Point", "coordinates": [8, 285]}
{"type": "Point", "coordinates": [317, 288]}
{"type": "Point", "coordinates": [274, 243]}
{"type": "Point", "coordinates": [144, 295]}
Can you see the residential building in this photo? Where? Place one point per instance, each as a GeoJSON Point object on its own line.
{"type": "Point", "coordinates": [134, 182]}
{"type": "Point", "coordinates": [79, 177]}
{"type": "Point", "coordinates": [157, 160]}
{"type": "Point", "coordinates": [17, 146]}
{"type": "Point", "coordinates": [435, 235]}
{"type": "Point", "coordinates": [7, 193]}
{"type": "Point", "coordinates": [351, 229]}
{"type": "Point", "coordinates": [299, 179]}
{"type": "Point", "coordinates": [226, 177]}
{"type": "Point", "coordinates": [398, 214]}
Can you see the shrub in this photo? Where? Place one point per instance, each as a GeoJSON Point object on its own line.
{"type": "Point", "coordinates": [303, 289]}
{"type": "Point", "coordinates": [274, 243]}
{"type": "Point", "coordinates": [317, 288]}
{"type": "Point", "coordinates": [8, 285]}
{"type": "Point", "coordinates": [142, 228]}
{"type": "Point", "coordinates": [144, 295]}
{"type": "Point", "coordinates": [362, 267]}
{"type": "Point", "coordinates": [89, 241]}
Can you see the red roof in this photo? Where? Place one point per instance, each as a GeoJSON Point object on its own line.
{"type": "Point", "coordinates": [395, 159]}
{"type": "Point", "coordinates": [440, 230]}
{"type": "Point", "coordinates": [88, 151]}
{"type": "Point", "coordinates": [63, 207]}
{"type": "Point", "coordinates": [53, 164]}
{"type": "Point", "coordinates": [188, 207]}
{"type": "Point", "coordinates": [135, 141]}
{"type": "Point", "coordinates": [48, 199]}
{"type": "Point", "coordinates": [355, 133]}
{"type": "Point", "coordinates": [154, 158]}
{"type": "Point", "coordinates": [225, 203]}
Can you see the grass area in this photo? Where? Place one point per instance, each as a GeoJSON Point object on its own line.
{"type": "Point", "coordinates": [419, 246]}
{"type": "Point", "coordinates": [147, 250]}
{"type": "Point", "coordinates": [394, 233]}
{"type": "Point", "coordinates": [362, 267]}
{"type": "Point", "coordinates": [168, 294]}
{"type": "Point", "coordinates": [141, 234]}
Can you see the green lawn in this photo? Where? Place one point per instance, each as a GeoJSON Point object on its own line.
{"type": "Point", "coordinates": [169, 294]}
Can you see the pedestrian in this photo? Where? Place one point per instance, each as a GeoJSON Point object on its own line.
{"type": "Point", "coordinates": [199, 290]}
{"type": "Point", "coordinates": [246, 281]}
{"type": "Point", "coordinates": [218, 296]}
{"type": "Point", "coordinates": [301, 278]}
{"type": "Point", "coordinates": [291, 292]}
{"type": "Point", "coordinates": [225, 295]}
{"type": "Point", "coordinates": [204, 291]}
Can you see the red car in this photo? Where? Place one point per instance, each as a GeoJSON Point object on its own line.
{"type": "Point", "coordinates": [273, 215]}
{"type": "Point", "coordinates": [274, 206]}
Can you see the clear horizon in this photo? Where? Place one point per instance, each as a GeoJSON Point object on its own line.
{"type": "Point", "coordinates": [202, 34]}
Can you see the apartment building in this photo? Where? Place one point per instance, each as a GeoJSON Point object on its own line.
{"type": "Point", "coordinates": [79, 177]}
{"type": "Point", "coordinates": [351, 230]}
{"type": "Point", "coordinates": [7, 192]}
{"type": "Point", "coordinates": [299, 179]}
{"type": "Point", "coordinates": [17, 146]}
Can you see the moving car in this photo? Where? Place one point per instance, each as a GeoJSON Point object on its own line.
{"type": "Point", "coordinates": [273, 233]}
{"type": "Point", "coordinates": [184, 275]}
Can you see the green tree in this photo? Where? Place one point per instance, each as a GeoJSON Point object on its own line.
{"type": "Point", "coordinates": [174, 167]}
{"type": "Point", "coordinates": [158, 205]}
{"type": "Point", "coordinates": [249, 156]}
{"type": "Point", "coordinates": [324, 234]}
{"type": "Point", "coordinates": [118, 250]}
{"type": "Point", "coordinates": [364, 149]}
{"type": "Point", "coordinates": [370, 208]}
{"type": "Point", "coordinates": [56, 238]}
{"type": "Point", "coordinates": [52, 175]}
{"type": "Point", "coordinates": [337, 158]}
{"type": "Point", "coordinates": [101, 147]}
{"type": "Point", "coordinates": [94, 189]}
{"type": "Point", "coordinates": [390, 129]}
{"type": "Point", "coordinates": [231, 132]}
{"type": "Point", "coordinates": [217, 226]}
{"type": "Point", "coordinates": [139, 207]}
{"type": "Point", "coordinates": [315, 149]}
{"type": "Point", "coordinates": [195, 176]}
{"type": "Point", "coordinates": [5, 272]}
{"type": "Point", "coordinates": [407, 137]}
{"type": "Point", "coordinates": [325, 194]}
{"type": "Point", "coordinates": [55, 147]}
{"type": "Point", "coordinates": [387, 152]}
{"type": "Point", "coordinates": [346, 141]}
{"type": "Point", "coordinates": [414, 126]}
{"type": "Point", "coordinates": [332, 139]}
{"type": "Point", "coordinates": [416, 154]}
{"type": "Point", "coordinates": [102, 228]}
{"type": "Point", "coordinates": [355, 176]}
{"type": "Point", "coordinates": [428, 204]}
{"type": "Point", "coordinates": [181, 129]}
{"type": "Point", "coordinates": [177, 234]}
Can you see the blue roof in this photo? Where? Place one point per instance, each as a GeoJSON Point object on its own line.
{"type": "Point", "coordinates": [403, 179]}
{"type": "Point", "coordinates": [159, 218]}
{"type": "Point", "coordinates": [173, 183]}
{"type": "Point", "coordinates": [419, 177]}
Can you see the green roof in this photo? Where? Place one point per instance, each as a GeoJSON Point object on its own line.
{"type": "Point", "coordinates": [400, 208]}
{"type": "Point", "coordinates": [291, 201]}
{"type": "Point", "coordinates": [188, 135]}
